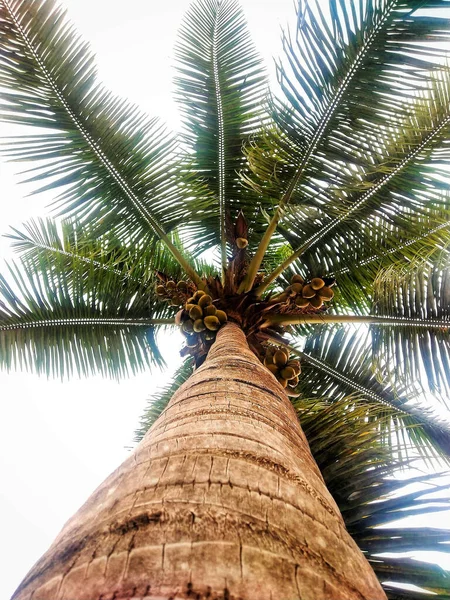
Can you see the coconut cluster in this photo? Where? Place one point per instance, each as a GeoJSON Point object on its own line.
{"type": "Point", "coordinates": [173, 292]}
{"type": "Point", "coordinates": [201, 319]}
{"type": "Point", "coordinates": [277, 362]}
{"type": "Point", "coordinates": [309, 294]}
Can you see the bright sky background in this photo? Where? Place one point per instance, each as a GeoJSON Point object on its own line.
{"type": "Point", "coordinates": [59, 441]}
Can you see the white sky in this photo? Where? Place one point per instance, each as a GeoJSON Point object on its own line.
{"type": "Point", "coordinates": [59, 441]}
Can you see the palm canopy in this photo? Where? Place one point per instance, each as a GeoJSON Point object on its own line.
{"type": "Point", "coordinates": [338, 180]}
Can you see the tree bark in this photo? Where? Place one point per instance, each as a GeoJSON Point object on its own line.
{"type": "Point", "coordinates": [221, 500]}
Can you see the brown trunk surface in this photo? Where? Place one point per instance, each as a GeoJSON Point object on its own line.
{"type": "Point", "coordinates": [221, 500]}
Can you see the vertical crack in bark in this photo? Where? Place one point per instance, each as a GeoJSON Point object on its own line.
{"type": "Point", "coordinates": [127, 560]}
{"type": "Point", "coordinates": [163, 548]}
{"type": "Point", "coordinates": [241, 562]}
{"type": "Point", "coordinates": [296, 582]}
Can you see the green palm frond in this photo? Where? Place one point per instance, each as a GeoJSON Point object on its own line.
{"type": "Point", "coordinates": [377, 248]}
{"type": "Point", "coordinates": [116, 167]}
{"type": "Point", "coordinates": [84, 319]}
{"type": "Point", "coordinates": [355, 262]}
{"type": "Point", "coordinates": [425, 576]}
{"type": "Point", "coordinates": [363, 162]}
{"type": "Point", "coordinates": [399, 188]}
{"type": "Point", "coordinates": [275, 255]}
{"type": "Point", "coordinates": [68, 245]}
{"type": "Point", "coordinates": [349, 67]}
{"type": "Point", "coordinates": [221, 87]}
{"type": "Point", "coordinates": [338, 362]}
{"type": "Point", "coordinates": [58, 245]}
{"type": "Point", "coordinates": [158, 402]}
{"type": "Point", "coordinates": [423, 240]}
{"type": "Point", "coordinates": [414, 292]}
{"type": "Point", "coordinates": [346, 441]}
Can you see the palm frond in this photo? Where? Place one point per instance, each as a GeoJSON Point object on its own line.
{"type": "Point", "coordinates": [82, 320]}
{"type": "Point", "coordinates": [429, 577]}
{"type": "Point", "coordinates": [379, 248]}
{"type": "Point", "coordinates": [354, 263]}
{"type": "Point", "coordinates": [347, 68]}
{"type": "Point", "coordinates": [338, 362]}
{"type": "Point", "coordinates": [420, 291]}
{"type": "Point", "coordinates": [46, 242]}
{"type": "Point", "coordinates": [402, 180]}
{"type": "Point", "coordinates": [346, 441]}
{"type": "Point", "coordinates": [115, 166]}
{"type": "Point", "coordinates": [369, 151]}
{"type": "Point", "coordinates": [221, 88]}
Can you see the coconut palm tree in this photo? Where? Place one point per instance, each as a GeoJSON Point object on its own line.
{"type": "Point", "coordinates": [300, 242]}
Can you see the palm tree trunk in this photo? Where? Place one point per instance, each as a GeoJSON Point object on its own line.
{"type": "Point", "coordinates": [221, 500]}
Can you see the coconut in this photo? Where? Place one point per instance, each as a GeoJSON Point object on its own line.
{"type": "Point", "coordinates": [301, 302]}
{"type": "Point", "coordinates": [326, 293]}
{"type": "Point", "coordinates": [212, 323]}
{"type": "Point", "coordinates": [317, 283]}
{"type": "Point", "coordinates": [286, 351]}
{"type": "Point", "coordinates": [188, 326]}
{"type": "Point", "coordinates": [308, 291]}
{"type": "Point", "coordinates": [204, 300]}
{"type": "Point", "coordinates": [196, 312]}
{"type": "Point", "coordinates": [221, 315]}
{"type": "Point", "coordinates": [241, 243]}
{"type": "Point", "coordinates": [268, 360]}
{"type": "Point", "coordinates": [316, 302]}
{"type": "Point", "coordinates": [210, 310]}
{"type": "Point", "coordinates": [295, 365]}
{"type": "Point", "coordinates": [297, 279]}
{"type": "Point", "coordinates": [297, 288]}
{"type": "Point", "coordinates": [288, 373]}
{"type": "Point", "coordinates": [199, 325]}
{"type": "Point", "coordinates": [279, 358]}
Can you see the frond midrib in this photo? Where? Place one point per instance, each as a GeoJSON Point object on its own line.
{"type": "Point", "coordinates": [86, 321]}
{"type": "Point", "coordinates": [84, 259]}
{"type": "Point", "coordinates": [376, 320]}
{"type": "Point", "coordinates": [312, 240]}
{"type": "Point", "coordinates": [96, 147]}
{"type": "Point", "coordinates": [220, 142]}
